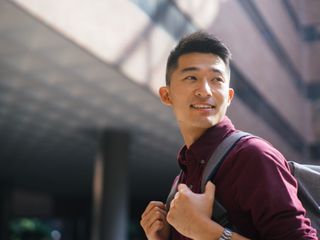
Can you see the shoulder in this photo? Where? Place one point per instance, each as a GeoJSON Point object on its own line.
{"type": "Point", "coordinates": [255, 162]}
{"type": "Point", "coordinates": [255, 144]}
{"type": "Point", "coordinates": [255, 151]}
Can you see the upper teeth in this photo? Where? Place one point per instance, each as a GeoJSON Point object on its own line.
{"type": "Point", "coordinates": [202, 106]}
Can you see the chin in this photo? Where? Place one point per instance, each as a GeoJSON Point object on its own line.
{"type": "Point", "coordinates": [206, 124]}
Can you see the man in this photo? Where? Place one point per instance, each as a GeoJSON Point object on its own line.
{"type": "Point", "coordinates": [254, 183]}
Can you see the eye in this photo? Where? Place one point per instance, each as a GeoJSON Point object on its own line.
{"type": "Point", "coordinates": [218, 79]}
{"type": "Point", "coordinates": [192, 78]}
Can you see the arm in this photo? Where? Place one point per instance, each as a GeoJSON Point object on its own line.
{"type": "Point", "coordinates": [190, 214]}
{"type": "Point", "coordinates": [154, 223]}
{"type": "Point", "coordinates": [266, 189]}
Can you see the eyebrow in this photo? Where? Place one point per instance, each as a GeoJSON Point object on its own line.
{"type": "Point", "coordinates": [191, 69]}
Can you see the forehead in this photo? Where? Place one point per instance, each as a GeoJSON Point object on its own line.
{"type": "Point", "coordinates": [201, 61]}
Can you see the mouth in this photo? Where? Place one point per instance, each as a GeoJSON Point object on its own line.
{"type": "Point", "coordinates": [202, 106]}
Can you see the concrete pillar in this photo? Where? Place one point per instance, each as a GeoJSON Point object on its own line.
{"type": "Point", "coordinates": [5, 210]}
{"type": "Point", "coordinates": [110, 190]}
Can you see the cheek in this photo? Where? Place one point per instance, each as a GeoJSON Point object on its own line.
{"type": "Point", "coordinates": [222, 95]}
{"type": "Point", "coordinates": [179, 98]}
{"type": "Point", "coordinates": [222, 99]}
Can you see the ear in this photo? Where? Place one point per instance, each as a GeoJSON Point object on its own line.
{"type": "Point", "coordinates": [231, 94]}
{"type": "Point", "coordinates": [164, 96]}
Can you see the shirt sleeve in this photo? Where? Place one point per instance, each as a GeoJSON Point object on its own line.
{"type": "Point", "coordinates": [267, 190]}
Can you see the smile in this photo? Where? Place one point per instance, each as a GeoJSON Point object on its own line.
{"type": "Point", "coordinates": [202, 106]}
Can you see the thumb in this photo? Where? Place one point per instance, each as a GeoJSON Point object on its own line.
{"type": "Point", "coordinates": [183, 188]}
{"type": "Point", "coordinates": [210, 189]}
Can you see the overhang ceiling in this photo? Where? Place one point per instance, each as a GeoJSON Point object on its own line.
{"type": "Point", "coordinates": [55, 100]}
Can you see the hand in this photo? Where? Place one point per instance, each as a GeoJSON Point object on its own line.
{"type": "Point", "coordinates": [188, 210]}
{"type": "Point", "coordinates": [154, 223]}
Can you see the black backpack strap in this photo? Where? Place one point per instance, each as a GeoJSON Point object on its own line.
{"type": "Point", "coordinates": [173, 191]}
{"type": "Point", "coordinates": [219, 212]}
{"type": "Point", "coordinates": [218, 156]}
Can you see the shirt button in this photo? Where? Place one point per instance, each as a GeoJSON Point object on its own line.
{"type": "Point", "coordinates": [190, 186]}
{"type": "Point", "coordinates": [202, 161]}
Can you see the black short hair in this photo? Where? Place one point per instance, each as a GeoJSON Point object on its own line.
{"type": "Point", "coordinates": [201, 42]}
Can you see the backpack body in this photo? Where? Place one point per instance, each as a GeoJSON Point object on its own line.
{"type": "Point", "coordinates": [308, 178]}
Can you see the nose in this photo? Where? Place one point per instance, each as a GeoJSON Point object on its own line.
{"type": "Point", "coordinates": [203, 89]}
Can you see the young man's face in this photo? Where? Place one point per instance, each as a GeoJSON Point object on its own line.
{"type": "Point", "coordinates": [199, 92]}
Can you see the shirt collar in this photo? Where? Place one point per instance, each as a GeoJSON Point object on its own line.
{"type": "Point", "coordinates": [201, 150]}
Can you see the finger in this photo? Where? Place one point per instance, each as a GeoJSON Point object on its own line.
{"type": "Point", "coordinates": [152, 205]}
{"type": "Point", "coordinates": [210, 189]}
{"type": "Point", "coordinates": [157, 214]}
{"type": "Point", "coordinates": [171, 216]}
{"type": "Point", "coordinates": [154, 214]}
{"type": "Point", "coordinates": [176, 195]}
{"type": "Point", "coordinates": [156, 226]}
{"type": "Point", "coordinates": [153, 227]}
{"type": "Point", "coordinates": [172, 203]}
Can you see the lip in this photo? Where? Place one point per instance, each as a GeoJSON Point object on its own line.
{"type": "Point", "coordinates": [202, 106]}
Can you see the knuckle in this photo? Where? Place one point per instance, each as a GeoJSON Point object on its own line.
{"type": "Point", "coordinates": [158, 223]}
{"type": "Point", "coordinates": [142, 224]}
{"type": "Point", "coordinates": [172, 204]}
{"type": "Point", "coordinates": [183, 193]}
{"type": "Point", "coordinates": [158, 214]}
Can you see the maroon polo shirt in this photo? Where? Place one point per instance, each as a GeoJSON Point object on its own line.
{"type": "Point", "coordinates": [254, 184]}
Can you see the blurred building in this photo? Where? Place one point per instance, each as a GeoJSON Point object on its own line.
{"type": "Point", "coordinates": [83, 135]}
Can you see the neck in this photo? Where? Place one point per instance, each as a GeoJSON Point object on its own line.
{"type": "Point", "coordinates": [190, 135]}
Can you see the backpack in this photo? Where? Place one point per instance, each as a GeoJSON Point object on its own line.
{"type": "Point", "coordinates": [307, 176]}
